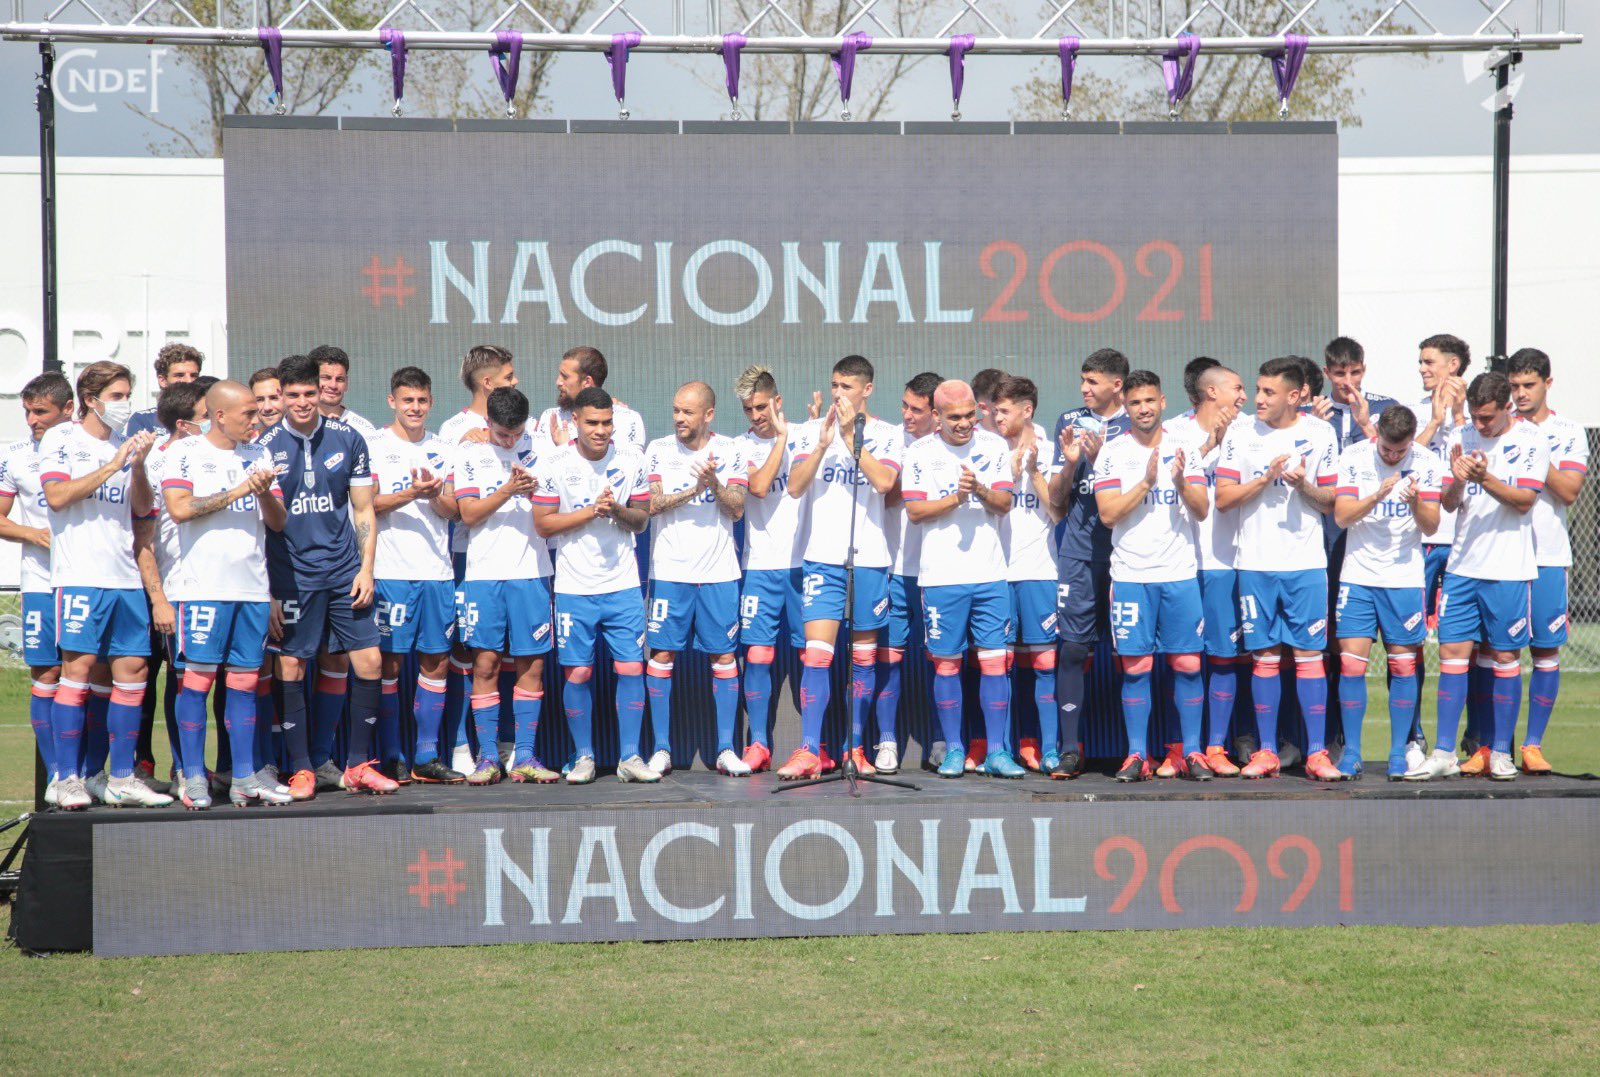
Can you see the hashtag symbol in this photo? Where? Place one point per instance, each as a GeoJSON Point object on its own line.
{"type": "Point", "coordinates": [426, 869]}
{"type": "Point", "coordinates": [397, 288]}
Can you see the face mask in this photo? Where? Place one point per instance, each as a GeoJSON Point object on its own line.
{"type": "Point", "coordinates": [116, 413]}
{"type": "Point", "coordinates": [204, 428]}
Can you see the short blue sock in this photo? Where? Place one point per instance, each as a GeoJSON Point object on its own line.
{"type": "Point", "coordinates": [994, 697]}
{"type": "Point", "coordinates": [887, 707]}
{"type": "Point", "coordinates": [389, 723]}
{"type": "Point", "coordinates": [39, 708]}
{"type": "Point", "coordinates": [725, 701]}
{"type": "Point", "coordinates": [658, 687]}
{"type": "Point", "coordinates": [816, 690]}
{"type": "Point", "coordinates": [757, 699]}
{"type": "Point", "coordinates": [1222, 689]}
{"type": "Point", "coordinates": [1267, 692]}
{"type": "Point", "coordinates": [526, 712]}
{"type": "Point", "coordinates": [1136, 710]}
{"type": "Point", "coordinates": [1189, 690]}
{"type": "Point", "coordinates": [1313, 695]}
{"type": "Point", "coordinates": [1452, 700]}
{"type": "Point", "coordinates": [1544, 686]}
{"type": "Point", "coordinates": [191, 708]}
{"type": "Point", "coordinates": [630, 713]}
{"type": "Point", "coordinates": [1352, 712]}
{"type": "Point", "coordinates": [947, 703]}
{"type": "Point", "coordinates": [1507, 708]}
{"type": "Point", "coordinates": [428, 708]}
{"type": "Point", "coordinates": [577, 702]}
{"type": "Point", "coordinates": [239, 718]}
{"type": "Point", "coordinates": [96, 741]}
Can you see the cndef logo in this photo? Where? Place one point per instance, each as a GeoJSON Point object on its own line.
{"type": "Point", "coordinates": [79, 80]}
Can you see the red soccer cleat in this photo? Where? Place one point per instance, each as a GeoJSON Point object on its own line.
{"type": "Point", "coordinates": [803, 763]}
{"type": "Point", "coordinates": [367, 778]}
{"type": "Point", "coordinates": [1263, 764]}
{"type": "Point", "coordinates": [758, 758]}
{"type": "Point", "coordinates": [858, 756]}
{"type": "Point", "coordinates": [1028, 753]}
{"type": "Point", "coordinates": [1172, 765]}
{"type": "Point", "coordinates": [977, 752]}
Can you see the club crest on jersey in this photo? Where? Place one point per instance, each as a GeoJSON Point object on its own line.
{"type": "Point", "coordinates": [1511, 452]}
{"type": "Point", "coordinates": [436, 462]}
{"type": "Point", "coordinates": [613, 474]}
{"type": "Point", "coordinates": [331, 462]}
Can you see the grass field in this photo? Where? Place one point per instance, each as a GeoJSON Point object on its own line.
{"type": "Point", "coordinates": [1336, 1000]}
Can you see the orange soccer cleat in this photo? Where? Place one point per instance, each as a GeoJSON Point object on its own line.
{"type": "Point", "coordinates": [758, 758]}
{"type": "Point", "coordinates": [803, 763]}
{"type": "Point", "coordinates": [1028, 753]}
{"type": "Point", "coordinates": [977, 752]}
{"type": "Point", "coordinates": [1172, 764]}
{"type": "Point", "coordinates": [1476, 765]}
{"type": "Point", "coordinates": [303, 784]}
{"type": "Point", "coordinates": [829, 764]}
{"type": "Point", "coordinates": [858, 756]}
{"type": "Point", "coordinates": [1319, 766]}
{"type": "Point", "coordinates": [1263, 764]}
{"type": "Point", "coordinates": [367, 778]}
{"type": "Point", "coordinates": [1533, 761]}
{"type": "Point", "coordinates": [1221, 766]}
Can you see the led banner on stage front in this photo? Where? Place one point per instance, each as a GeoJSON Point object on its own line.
{"type": "Point", "coordinates": [694, 254]}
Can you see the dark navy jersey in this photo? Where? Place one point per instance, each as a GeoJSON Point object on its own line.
{"type": "Point", "coordinates": [1082, 536]}
{"type": "Point", "coordinates": [317, 549]}
{"type": "Point", "coordinates": [142, 421]}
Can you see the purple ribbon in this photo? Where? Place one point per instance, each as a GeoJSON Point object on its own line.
{"type": "Point", "coordinates": [272, 44]}
{"type": "Point", "coordinates": [506, 56]}
{"type": "Point", "coordinates": [958, 63]}
{"type": "Point", "coordinates": [1286, 64]}
{"type": "Point", "coordinates": [1179, 80]}
{"type": "Point", "coordinates": [731, 44]}
{"type": "Point", "coordinates": [844, 61]}
{"type": "Point", "coordinates": [617, 57]}
{"type": "Point", "coordinates": [395, 42]}
{"type": "Point", "coordinates": [1068, 47]}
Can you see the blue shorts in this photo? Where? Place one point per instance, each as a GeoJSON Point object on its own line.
{"type": "Point", "coordinates": [770, 596]}
{"type": "Point", "coordinates": [618, 615]}
{"type": "Point", "coordinates": [1219, 601]}
{"type": "Point", "coordinates": [1550, 608]}
{"type": "Point", "coordinates": [1394, 613]}
{"type": "Point", "coordinates": [961, 615]}
{"type": "Point", "coordinates": [905, 611]}
{"type": "Point", "coordinates": [1033, 612]}
{"type": "Point", "coordinates": [416, 615]}
{"type": "Point", "coordinates": [39, 629]}
{"type": "Point", "coordinates": [109, 622]}
{"type": "Point", "coordinates": [822, 595]}
{"type": "Point", "coordinates": [506, 616]}
{"type": "Point", "coordinates": [1157, 618]}
{"type": "Point", "coordinates": [1434, 557]}
{"type": "Point", "coordinates": [707, 613]}
{"type": "Point", "coordinates": [1083, 603]}
{"type": "Point", "coordinates": [223, 633]}
{"type": "Point", "coordinates": [1493, 610]}
{"type": "Point", "coordinates": [314, 619]}
{"type": "Point", "coordinates": [1287, 608]}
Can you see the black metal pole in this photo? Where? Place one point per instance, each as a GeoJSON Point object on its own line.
{"type": "Point", "coordinates": [1502, 205]}
{"type": "Point", "coordinates": [45, 99]}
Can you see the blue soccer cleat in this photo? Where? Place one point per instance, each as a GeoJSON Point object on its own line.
{"type": "Point", "coordinates": [1350, 766]}
{"type": "Point", "coordinates": [954, 763]}
{"type": "Point", "coordinates": [1050, 761]}
{"type": "Point", "coordinates": [999, 764]}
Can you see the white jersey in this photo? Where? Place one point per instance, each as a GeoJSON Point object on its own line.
{"type": "Point", "coordinates": [157, 464]}
{"type": "Point", "coordinates": [1027, 532]}
{"type": "Point", "coordinates": [964, 544]}
{"type": "Point", "coordinates": [1155, 542]}
{"type": "Point", "coordinates": [1216, 538]}
{"type": "Point", "coordinates": [1440, 447]}
{"type": "Point", "coordinates": [772, 524]}
{"type": "Point", "coordinates": [1280, 529]}
{"type": "Point", "coordinates": [91, 541]}
{"type": "Point", "coordinates": [597, 558]}
{"type": "Point", "coordinates": [413, 540]}
{"type": "Point", "coordinates": [905, 541]}
{"type": "Point", "coordinates": [451, 432]}
{"type": "Point", "coordinates": [359, 423]}
{"type": "Point", "coordinates": [1569, 451]}
{"type": "Point", "coordinates": [21, 467]}
{"type": "Point", "coordinates": [504, 546]}
{"type": "Point", "coordinates": [1495, 541]}
{"type": "Point", "coordinates": [222, 556]}
{"type": "Point", "coordinates": [833, 490]}
{"type": "Point", "coordinates": [627, 428]}
{"type": "Point", "coordinates": [1384, 547]}
{"type": "Point", "coordinates": [693, 543]}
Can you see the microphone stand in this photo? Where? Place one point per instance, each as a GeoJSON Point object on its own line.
{"type": "Point", "coordinates": [847, 766]}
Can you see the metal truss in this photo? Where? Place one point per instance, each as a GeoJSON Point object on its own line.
{"type": "Point", "coordinates": [1101, 27]}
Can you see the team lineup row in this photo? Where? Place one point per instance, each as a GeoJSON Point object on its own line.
{"type": "Point", "coordinates": [261, 530]}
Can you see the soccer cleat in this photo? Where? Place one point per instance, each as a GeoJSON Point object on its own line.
{"type": "Point", "coordinates": [508, 750]}
{"type": "Point", "coordinates": [487, 772]}
{"type": "Point", "coordinates": [1068, 765]}
{"type": "Point", "coordinates": [367, 778]}
{"type": "Point", "coordinates": [1476, 765]}
{"type": "Point", "coordinates": [96, 785]}
{"type": "Point", "coordinates": [934, 755]}
{"type": "Point", "coordinates": [434, 772]}
{"type": "Point", "coordinates": [1350, 766]}
{"type": "Point", "coordinates": [757, 757]}
{"type": "Point", "coordinates": [245, 791]}
{"type": "Point", "coordinates": [1534, 762]}
{"type": "Point", "coordinates": [1416, 754]}
{"type": "Point", "coordinates": [1397, 768]}
{"type": "Point", "coordinates": [1000, 765]}
{"type": "Point", "coordinates": [1195, 768]}
{"type": "Point", "coordinates": [829, 764]}
{"type": "Point", "coordinates": [661, 762]}
{"type": "Point", "coordinates": [1289, 755]}
{"type": "Point", "coordinates": [302, 785]}
{"type": "Point", "coordinates": [72, 794]}
{"type": "Point", "coordinates": [267, 776]}
{"type": "Point", "coordinates": [131, 792]}
{"type": "Point", "coordinates": [1245, 746]}
{"type": "Point", "coordinates": [858, 756]}
{"type": "Point", "coordinates": [1470, 745]}
{"type": "Point", "coordinates": [535, 772]}
{"type": "Point", "coordinates": [1263, 764]}
{"type": "Point", "coordinates": [397, 771]}
{"type": "Point", "coordinates": [1501, 769]}
{"type": "Point", "coordinates": [196, 795]}
{"type": "Point", "coordinates": [1438, 764]}
{"type": "Point", "coordinates": [803, 763]}
{"type": "Point", "coordinates": [1172, 763]}
{"type": "Point", "coordinates": [977, 752]}
{"type": "Point", "coordinates": [1049, 761]}
{"type": "Point", "coordinates": [329, 776]}
{"type": "Point", "coordinates": [218, 784]}
{"type": "Point", "coordinates": [581, 771]}
{"type": "Point", "coordinates": [888, 758]}
{"type": "Point", "coordinates": [52, 791]}
{"type": "Point", "coordinates": [1028, 754]}
{"type": "Point", "coordinates": [729, 763]}
{"type": "Point", "coordinates": [1135, 768]}
{"type": "Point", "coordinates": [145, 770]}
{"type": "Point", "coordinates": [954, 763]}
{"type": "Point", "coordinates": [462, 761]}
{"type": "Point", "coordinates": [633, 769]}
{"type": "Point", "coordinates": [1219, 764]}
{"type": "Point", "coordinates": [1321, 768]}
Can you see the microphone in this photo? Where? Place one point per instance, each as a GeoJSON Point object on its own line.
{"type": "Point", "coordinates": [861, 435]}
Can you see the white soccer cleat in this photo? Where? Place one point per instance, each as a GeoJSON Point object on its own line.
{"type": "Point", "coordinates": [1439, 764]}
{"type": "Point", "coordinates": [461, 760]}
{"type": "Point", "coordinates": [51, 792]}
{"type": "Point", "coordinates": [661, 763]}
{"type": "Point", "coordinates": [72, 794]}
{"type": "Point", "coordinates": [1501, 768]}
{"type": "Point", "coordinates": [887, 760]}
{"type": "Point", "coordinates": [1415, 756]}
{"type": "Point", "coordinates": [244, 791]}
{"type": "Point", "coordinates": [633, 769]}
{"type": "Point", "coordinates": [581, 772]}
{"type": "Point", "coordinates": [729, 763]}
{"type": "Point", "coordinates": [267, 778]}
{"type": "Point", "coordinates": [130, 792]}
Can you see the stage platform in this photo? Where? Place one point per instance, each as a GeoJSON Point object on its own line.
{"type": "Point", "coordinates": [699, 855]}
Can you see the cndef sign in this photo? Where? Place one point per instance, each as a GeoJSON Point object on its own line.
{"type": "Point", "coordinates": [80, 80]}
